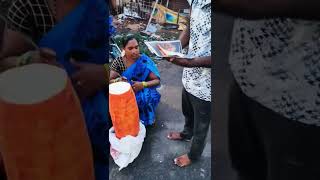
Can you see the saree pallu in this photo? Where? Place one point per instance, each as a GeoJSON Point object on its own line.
{"type": "Point", "coordinates": [148, 98]}
{"type": "Point", "coordinates": [83, 34]}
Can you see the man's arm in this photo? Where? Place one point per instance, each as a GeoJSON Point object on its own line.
{"type": "Point", "coordinates": [257, 9]}
{"type": "Point", "coordinates": [204, 61]}
{"type": "Point", "coordinates": [200, 62]}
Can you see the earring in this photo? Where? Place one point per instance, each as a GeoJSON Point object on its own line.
{"type": "Point", "coordinates": [123, 53]}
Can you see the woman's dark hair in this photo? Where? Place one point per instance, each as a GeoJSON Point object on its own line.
{"type": "Point", "coordinates": [128, 38]}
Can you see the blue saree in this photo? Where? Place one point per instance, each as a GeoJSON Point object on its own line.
{"type": "Point", "coordinates": [84, 33]}
{"type": "Point", "coordinates": [148, 98]}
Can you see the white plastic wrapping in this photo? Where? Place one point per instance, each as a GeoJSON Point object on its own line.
{"type": "Point", "coordinates": [126, 149]}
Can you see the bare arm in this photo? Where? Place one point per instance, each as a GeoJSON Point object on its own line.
{"type": "Point", "coordinates": [153, 80]}
{"type": "Point", "coordinates": [8, 63]}
{"type": "Point", "coordinates": [14, 45]}
{"type": "Point", "coordinates": [204, 61]}
{"type": "Point", "coordinates": [15, 53]}
{"type": "Point", "coordinates": [113, 75]}
{"type": "Point", "coordinates": [257, 9]}
{"type": "Point", "coordinates": [200, 62]}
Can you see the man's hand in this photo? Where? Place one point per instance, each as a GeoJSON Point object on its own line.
{"type": "Point", "coordinates": [89, 78]}
{"type": "Point", "coordinates": [178, 61]}
{"type": "Point", "coordinates": [194, 62]}
{"type": "Point", "coordinates": [137, 86]}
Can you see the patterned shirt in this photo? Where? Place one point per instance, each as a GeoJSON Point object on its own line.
{"type": "Point", "coordinates": [197, 80]}
{"type": "Point", "coordinates": [277, 63]}
{"type": "Point", "coordinates": [31, 17]}
{"type": "Point", "coordinates": [118, 65]}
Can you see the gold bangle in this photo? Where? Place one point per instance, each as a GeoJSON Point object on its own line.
{"type": "Point", "coordinates": [144, 84]}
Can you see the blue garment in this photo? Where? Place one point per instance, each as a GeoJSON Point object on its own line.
{"type": "Point", "coordinates": [83, 35]}
{"type": "Point", "coordinates": [148, 98]}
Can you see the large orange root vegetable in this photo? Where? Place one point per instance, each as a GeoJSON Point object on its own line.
{"type": "Point", "coordinates": [123, 109]}
{"type": "Point", "coordinates": [42, 128]}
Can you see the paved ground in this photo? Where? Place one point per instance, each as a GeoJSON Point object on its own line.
{"type": "Point", "coordinates": [155, 161]}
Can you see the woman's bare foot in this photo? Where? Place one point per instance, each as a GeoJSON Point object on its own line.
{"type": "Point", "coordinates": [177, 136]}
{"type": "Point", "coordinates": [182, 161]}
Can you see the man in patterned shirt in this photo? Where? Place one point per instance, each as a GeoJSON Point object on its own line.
{"type": "Point", "coordinates": [274, 119]}
{"type": "Point", "coordinates": [196, 94]}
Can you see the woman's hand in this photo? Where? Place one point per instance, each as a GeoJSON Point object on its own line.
{"type": "Point", "coordinates": [43, 55]}
{"type": "Point", "coordinates": [137, 86]}
{"type": "Point", "coordinates": [119, 79]}
{"type": "Point", "coordinates": [89, 78]}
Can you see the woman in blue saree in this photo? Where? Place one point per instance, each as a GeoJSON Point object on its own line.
{"type": "Point", "coordinates": [141, 72]}
{"type": "Point", "coordinates": [78, 35]}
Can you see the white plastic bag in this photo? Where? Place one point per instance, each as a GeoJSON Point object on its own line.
{"type": "Point", "coordinates": [126, 149]}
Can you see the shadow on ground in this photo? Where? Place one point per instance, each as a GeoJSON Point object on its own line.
{"type": "Point", "coordinates": [155, 161]}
